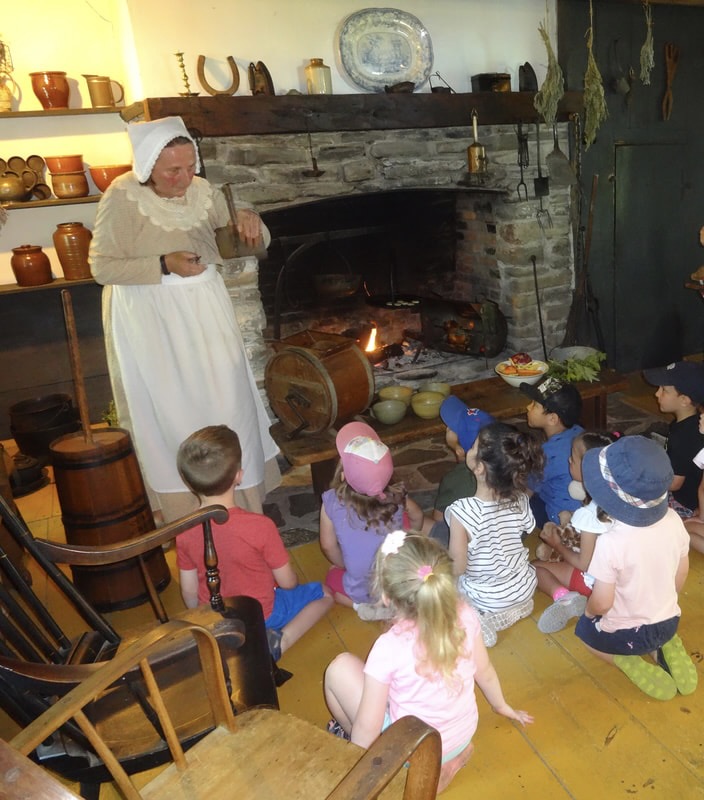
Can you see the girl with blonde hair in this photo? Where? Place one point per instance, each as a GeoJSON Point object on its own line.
{"type": "Point", "coordinates": [425, 665]}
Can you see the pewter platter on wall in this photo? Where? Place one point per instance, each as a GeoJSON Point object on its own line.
{"type": "Point", "coordinates": [384, 46]}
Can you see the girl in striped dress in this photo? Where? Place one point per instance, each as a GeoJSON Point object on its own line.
{"type": "Point", "coordinates": [487, 530]}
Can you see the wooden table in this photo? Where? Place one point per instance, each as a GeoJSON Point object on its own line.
{"type": "Point", "coordinates": [490, 394]}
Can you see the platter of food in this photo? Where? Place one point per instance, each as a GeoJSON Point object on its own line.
{"type": "Point", "coordinates": [521, 368]}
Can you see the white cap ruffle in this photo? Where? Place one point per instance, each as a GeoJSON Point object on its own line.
{"type": "Point", "coordinates": [148, 139]}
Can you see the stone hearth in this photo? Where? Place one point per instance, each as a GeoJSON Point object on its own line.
{"type": "Point", "coordinates": [496, 232]}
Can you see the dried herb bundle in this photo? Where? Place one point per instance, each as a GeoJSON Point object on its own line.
{"type": "Point", "coordinates": [647, 52]}
{"type": "Point", "coordinates": [595, 111]}
{"type": "Point", "coordinates": [547, 99]}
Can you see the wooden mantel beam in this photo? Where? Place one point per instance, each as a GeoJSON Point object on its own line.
{"type": "Point", "coordinates": [262, 114]}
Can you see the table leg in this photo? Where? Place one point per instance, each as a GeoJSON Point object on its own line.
{"type": "Point", "coordinates": [321, 473]}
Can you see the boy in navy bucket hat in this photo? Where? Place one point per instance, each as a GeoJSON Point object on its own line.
{"type": "Point", "coordinates": [639, 566]}
{"type": "Point", "coordinates": [681, 393]}
{"type": "Point", "coordinates": [463, 424]}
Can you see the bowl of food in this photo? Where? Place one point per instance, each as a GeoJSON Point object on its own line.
{"type": "Point", "coordinates": [521, 368]}
{"type": "Point", "coordinates": [104, 176]}
{"type": "Point", "coordinates": [426, 405]}
{"type": "Point", "coordinates": [436, 386]}
{"type": "Point", "coordinates": [396, 392]}
{"type": "Point", "coordinates": [389, 412]}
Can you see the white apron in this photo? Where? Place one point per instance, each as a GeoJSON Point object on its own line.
{"type": "Point", "coordinates": [182, 364]}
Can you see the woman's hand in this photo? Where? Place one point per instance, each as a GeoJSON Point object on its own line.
{"type": "Point", "coordinates": [184, 263]}
{"type": "Point", "coordinates": [249, 226]}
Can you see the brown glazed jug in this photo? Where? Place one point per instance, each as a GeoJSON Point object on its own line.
{"type": "Point", "coordinates": [51, 89]}
{"type": "Point", "coordinates": [30, 265]}
{"type": "Point", "coordinates": [72, 241]}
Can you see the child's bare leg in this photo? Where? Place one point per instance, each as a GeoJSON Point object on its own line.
{"type": "Point", "coordinates": [695, 529]}
{"type": "Point", "coordinates": [343, 599]}
{"type": "Point", "coordinates": [552, 575]}
{"type": "Point", "coordinates": [343, 684]}
{"type": "Point", "coordinates": [450, 768]}
{"type": "Point", "coordinates": [305, 619]}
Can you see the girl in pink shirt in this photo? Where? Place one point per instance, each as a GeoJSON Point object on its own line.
{"type": "Point", "coordinates": [425, 665]}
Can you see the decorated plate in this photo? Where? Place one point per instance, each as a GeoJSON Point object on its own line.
{"type": "Point", "coordinates": [383, 46]}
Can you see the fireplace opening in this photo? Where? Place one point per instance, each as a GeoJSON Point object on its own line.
{"type": "Point", "coordinates": [341, 262]}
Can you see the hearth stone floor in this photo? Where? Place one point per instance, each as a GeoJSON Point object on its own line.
{"type": "Point", "coordinates": [421, 465]}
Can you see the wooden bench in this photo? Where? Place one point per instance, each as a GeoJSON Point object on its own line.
{"type": "Point", "coordinates": [490, 394]}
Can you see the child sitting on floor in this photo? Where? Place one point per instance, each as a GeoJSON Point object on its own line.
{"type": "Point", "coordinates": [356, 514]}
{"type": "Point", "coordinates": [639, 567]}
{"type": "Point", "coordinates": [252, 558]}
{"type": "Point", "coordinates": [681, 392]}
{"type": "Point", "coordinates": [486, 530]}
{"type": "Point", "coordinates": [426, 665]}
{"type": "Point", "coordinates": [695, 524]}
{"type": "Point", "coordinates": [554, 410]}
{"type": "Point", "coordinates": [463, 425]}
{"type": "Point", "coordinates": [566, 579]}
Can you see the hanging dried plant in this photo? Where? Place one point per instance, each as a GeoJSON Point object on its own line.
{"type": "Point", "coordinates": [547, 99]}
{"type": "Point", "coordinates": [595, 111]}
{"type": "Point", "coordinates": [647, 52]}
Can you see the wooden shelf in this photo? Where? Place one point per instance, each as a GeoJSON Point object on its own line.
{"type": "Point", "coordinates": [261, 114]}
{"type": "Point", "coordinates": [57, 283]}
{"type": "Point", "coordinates": [59, 112]}
{"type": "Point", "coordinates": [71, 201]}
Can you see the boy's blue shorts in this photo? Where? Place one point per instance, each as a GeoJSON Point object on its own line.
{"type": "Point", "coordinates": [289, 602]}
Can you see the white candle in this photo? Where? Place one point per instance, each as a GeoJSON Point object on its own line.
{"type": "Point", "coordinates": [474, 124]}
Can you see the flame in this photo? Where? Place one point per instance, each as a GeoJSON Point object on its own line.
{"type": "Point", "coordinates": [371, 344]}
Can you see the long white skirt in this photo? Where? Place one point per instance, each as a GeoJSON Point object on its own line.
{"type": "Point", "coordinates": [178, 363]}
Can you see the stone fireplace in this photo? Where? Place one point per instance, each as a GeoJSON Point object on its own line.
{"type": "Point", "coordinates": [492, 234]}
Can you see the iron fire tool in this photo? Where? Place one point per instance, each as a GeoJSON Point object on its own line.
{"type": "Point", "coordinates": [314, 172]}
{"type": "Point", "coordinates": [541, 185]}
{"type": "Point", "coordinates": [476, 154]}
{"type": "Point", "coordinates": [523, 161]}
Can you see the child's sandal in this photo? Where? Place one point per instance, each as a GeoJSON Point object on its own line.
{"type": "Point", "coordinates": [680, 665]}
{"type": "Point", "coordinates": [649, 678]}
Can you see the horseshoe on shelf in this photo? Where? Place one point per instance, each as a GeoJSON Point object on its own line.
{"type": "Point", "coordinates": [231, 89]}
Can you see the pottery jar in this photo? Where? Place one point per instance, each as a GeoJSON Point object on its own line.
{"type": "Point", "coordinates": [30, 265]}
{"type": "Point", "coordinates": [51, 89]}
{"type": "Point", "coordinates": [69, 184]}
{"type": "Point", "coordinates": [318, 80]}
{"type": "Point", "coordinates": [72, 240]}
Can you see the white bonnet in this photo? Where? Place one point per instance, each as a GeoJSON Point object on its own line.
{"type": "Point", "coordinates": [148, 139]}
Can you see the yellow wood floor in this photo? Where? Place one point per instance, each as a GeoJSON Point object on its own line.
{"type": "Point", "coordinates": [595, 735]}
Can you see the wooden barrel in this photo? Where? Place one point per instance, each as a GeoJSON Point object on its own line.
{"type": "Point", "coordinates": [103, 501]}
{"type": "Point", "coordinates": [317, 380]}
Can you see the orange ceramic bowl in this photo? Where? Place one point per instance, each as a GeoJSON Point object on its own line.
{"type": "Point", "coordinates": [64, 163]}
{"type": "Point", "coordinates": [104, 176]}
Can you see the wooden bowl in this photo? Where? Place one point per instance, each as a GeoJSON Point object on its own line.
{"type": "Point", "coordinates": [104, 176]}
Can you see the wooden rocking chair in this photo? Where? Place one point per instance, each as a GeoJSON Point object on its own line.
{"type": "Point", "coordinates": [39, 662]}
{"type": "Point", "coordinates": [260, 753]}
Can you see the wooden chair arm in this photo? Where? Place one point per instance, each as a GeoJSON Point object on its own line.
{"type": "Point", "coordinates": [70, 705]}
{"type": "Point", "coordinates": [410, 740]}
{"type": "Point", "coordinates": [98, 555]}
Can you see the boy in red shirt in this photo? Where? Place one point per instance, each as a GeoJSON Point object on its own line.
{"type": "Point", "coordinates": [252, 558]}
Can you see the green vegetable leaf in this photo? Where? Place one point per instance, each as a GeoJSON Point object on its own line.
{"type": "Point", "coordinates": [573, 370]}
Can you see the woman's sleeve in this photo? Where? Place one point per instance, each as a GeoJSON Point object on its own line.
{"type": "Point", "coordinates": [111, 262]}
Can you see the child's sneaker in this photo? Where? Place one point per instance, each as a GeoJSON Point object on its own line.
{"type": "Point", "coordinates": [370, 612]}
{"type": "Point", "coordinates": [488, 629]}
{"type": "Point", "coordinates": [273, 637]}
{"type": "Point", "coordinates": [556, 616]}
{"type": "Point", "coordinates": [510, 616]}
{"type": "Point", "coordinates": [336, 729]}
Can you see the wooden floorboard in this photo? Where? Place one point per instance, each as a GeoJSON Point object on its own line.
{"type": "Point", "coordinates": [595, 735]}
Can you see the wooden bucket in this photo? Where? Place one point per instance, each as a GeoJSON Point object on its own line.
{"type": "Point", "coordinates": [317, 380]}
{"type": "Point", "coordinates": [103, 501]}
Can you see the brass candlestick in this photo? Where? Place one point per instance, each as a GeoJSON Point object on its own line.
{"type": "Point", "coordinates": [184, 77]}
